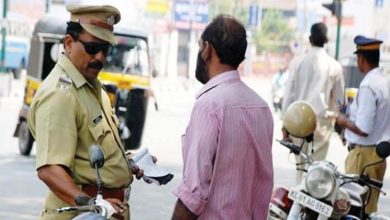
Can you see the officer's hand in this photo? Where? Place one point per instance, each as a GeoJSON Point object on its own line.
{"type": "Point", "coordinates": [139, 173]}
{"type": "Point", "coordinates": [341, 120]}
{"type": "Point", "coordinates": [119, 206]}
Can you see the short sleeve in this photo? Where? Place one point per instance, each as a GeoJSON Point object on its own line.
{"type": "Point", "coordinates": [199, 149]}
{"type": "Point", "coordinates": [366, 108]}
{"type": "Point", "coordinates": [55, 128]}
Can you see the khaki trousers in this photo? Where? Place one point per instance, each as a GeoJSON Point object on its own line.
{"type": "Point", "coordinates": [356, 160]}
{"type": "Point", "coordinates": [318, 149]}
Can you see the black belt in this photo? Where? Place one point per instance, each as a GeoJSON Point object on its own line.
{"type": "Point", "coordinates": [352, 146]}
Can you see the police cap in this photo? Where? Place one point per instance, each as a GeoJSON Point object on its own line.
{"type": "Point", "coordinates": [96, 20]}
{"type": "Point", "coordinates": [366, 44]}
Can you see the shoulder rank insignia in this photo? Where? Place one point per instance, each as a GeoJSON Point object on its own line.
{"type": "Point", "coordinates": [64, 82]}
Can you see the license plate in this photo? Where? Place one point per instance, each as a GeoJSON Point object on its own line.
{"type": "Point", "coordinates": [311, 202]}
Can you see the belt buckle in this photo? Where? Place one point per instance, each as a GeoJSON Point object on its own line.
{"type": "Point", "coordinates": [351, 147]}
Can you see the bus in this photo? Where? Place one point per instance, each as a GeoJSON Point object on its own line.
{"type": "Point", "coordinates": [18, 34]}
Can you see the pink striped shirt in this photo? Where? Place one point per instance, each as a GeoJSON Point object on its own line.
{"type": "Point", "coordinates": [228, 171]}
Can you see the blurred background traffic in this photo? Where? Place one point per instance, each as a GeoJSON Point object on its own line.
{"type": "Point", "coordinates": [278, 33]}
{"type": "Point", "coordinates": [277, 30]}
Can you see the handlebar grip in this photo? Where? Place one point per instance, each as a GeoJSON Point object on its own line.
{"type": "Point", "coordinates": [293, 148]}
{"type": "Point", "coordinates": [367, 180]}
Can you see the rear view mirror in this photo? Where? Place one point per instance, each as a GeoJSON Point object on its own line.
{"type": "Point", "coordinates": [96, 157]}
{"type": "Point", "coordinates": [383, 149]}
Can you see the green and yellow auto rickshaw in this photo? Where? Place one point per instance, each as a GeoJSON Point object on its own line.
{"type": "Point", "coordinates": [125, 76]}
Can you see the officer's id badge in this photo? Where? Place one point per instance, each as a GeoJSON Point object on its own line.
{"type": "Point", "coordinates": [111, 20]}
{"type": "Point", "coordinates": [64, 82]}
{"type": "Point", "coordinates": [96, 120]}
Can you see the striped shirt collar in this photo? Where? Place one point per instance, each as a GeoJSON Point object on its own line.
{"type": "Point", "coordinates": [218, 79]}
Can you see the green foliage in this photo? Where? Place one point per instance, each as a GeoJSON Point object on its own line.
{"type": "Point", "coordinates": [232, 7]}
{"type": "Point", "coordinates": [274, 33]}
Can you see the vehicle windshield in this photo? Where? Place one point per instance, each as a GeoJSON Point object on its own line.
{"type": "Point", "coordinates": [129, 56]}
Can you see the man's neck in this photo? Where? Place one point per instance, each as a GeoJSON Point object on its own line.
{"type": "Point", "coordinates": [219, 69]}
{"type": "Point", "coordinates": [369, 68]}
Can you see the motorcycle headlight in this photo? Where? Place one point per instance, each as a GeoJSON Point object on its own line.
{"type": "Point", "coordinates": [320, 180]}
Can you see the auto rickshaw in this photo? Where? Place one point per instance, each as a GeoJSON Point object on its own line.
{"type": "Point", "coordinates": [125, 77]}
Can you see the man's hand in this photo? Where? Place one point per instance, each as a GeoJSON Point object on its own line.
{"type": "Point", "coordinates": [181, 212]}
{"type": "Point", "coordinates": [111, 205]}
{"type": "Point", "coordinates": [342, 120]}
{"type": "Point", "coordinates": [138, 172]}
{"type": "Point", "coordinates": [286, 135]}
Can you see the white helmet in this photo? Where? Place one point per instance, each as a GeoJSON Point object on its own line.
{"type": "Point", "coordinates": [300, 120]}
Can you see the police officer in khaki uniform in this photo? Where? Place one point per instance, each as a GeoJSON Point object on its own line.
{"type": "Point", "coordinates": [369, 116]}
{"type": "Point", "coordinates": [71, 111]}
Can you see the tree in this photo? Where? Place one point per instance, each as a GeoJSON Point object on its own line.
{"type": "Point", "coordinates": [274, 33]}
{"type": "Point", "coordinates": [238, 9]}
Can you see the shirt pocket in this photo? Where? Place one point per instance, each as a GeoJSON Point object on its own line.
{"type": "Point", "coordinates": [102, 135]}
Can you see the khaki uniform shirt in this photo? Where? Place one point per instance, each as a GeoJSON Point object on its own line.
{"type": "Point", "coordinates": [67, 116]}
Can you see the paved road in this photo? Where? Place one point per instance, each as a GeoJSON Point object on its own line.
{"type": "Point", "coordinates": [22, 194]}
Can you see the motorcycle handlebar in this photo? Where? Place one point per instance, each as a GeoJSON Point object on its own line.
{"type": "Point", "coordinates": [84, 208]}
{"type": "Point", "coordinates": [295, 149]}
{"type": "Point", "coordinates": [365, 179]}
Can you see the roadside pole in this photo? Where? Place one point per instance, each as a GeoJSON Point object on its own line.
{"type": "Point", "coordinates": [5, 78]}
{"type": "Point", "coordinates": [3, 36]}
{"type": "Point", "coordinates": [339, 19]}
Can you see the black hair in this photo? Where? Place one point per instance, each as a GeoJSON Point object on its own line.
{"type": "Point", "coordinates": [371, 56]}
{"type": "Point", "coordinates": [74, 29]}
{"type": "Point", "coordinates": [318, 34]}
{"type": "Point", "coordinates": [228, 37]}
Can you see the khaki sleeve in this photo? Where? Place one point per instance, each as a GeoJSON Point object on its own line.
{"type": "Point", "coordinates": [56, 129]}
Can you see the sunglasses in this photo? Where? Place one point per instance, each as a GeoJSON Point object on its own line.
{"type": "Point", "coordinates": [93, 48]}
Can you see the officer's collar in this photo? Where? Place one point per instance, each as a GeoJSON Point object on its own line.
{"type": "Point", "coordinates": [71, 70]}
{"type": "Point", "coordinates": [77, 78]}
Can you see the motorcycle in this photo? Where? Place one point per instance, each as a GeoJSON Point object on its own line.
{"type": "Point", "coordinates": [96, 210]}
{"type": "Point", "coordinates": [325, 193]}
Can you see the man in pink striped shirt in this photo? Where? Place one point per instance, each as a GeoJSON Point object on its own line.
{"type": "Point", "coordinates": [228, 172]}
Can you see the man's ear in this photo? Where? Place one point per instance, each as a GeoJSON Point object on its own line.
{"type": "Point", "coordinates": [206, 52]}
{"type": "Point", "coordinates": [68, 41]}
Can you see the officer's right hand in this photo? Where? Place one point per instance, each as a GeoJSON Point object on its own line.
{"type": "Point", "coordinates": [118, 205]}
{"type": "Point", "coordinates": [138, 172]}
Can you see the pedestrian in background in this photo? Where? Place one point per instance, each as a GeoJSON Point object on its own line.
{"type": "Point", "coordinates": [71, 111]}
{"type": "Point", "coordinates": [317, 79]}
{"type": "Point", "coordinates": [369, 116]}
{"type": "Point", "coordinates": [228, 171]}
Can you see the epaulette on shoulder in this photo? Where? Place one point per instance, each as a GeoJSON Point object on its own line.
{"type": "Point", "coordinates": [64, 82]}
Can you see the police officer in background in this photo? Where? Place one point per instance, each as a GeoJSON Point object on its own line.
{"type": "Point", "coordinates": [71, 111]}
{"type": "Point", "coordinates": [369, 116]}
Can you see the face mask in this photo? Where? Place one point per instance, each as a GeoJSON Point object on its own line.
{"type": "Point", "coordinates": [201, 71]}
